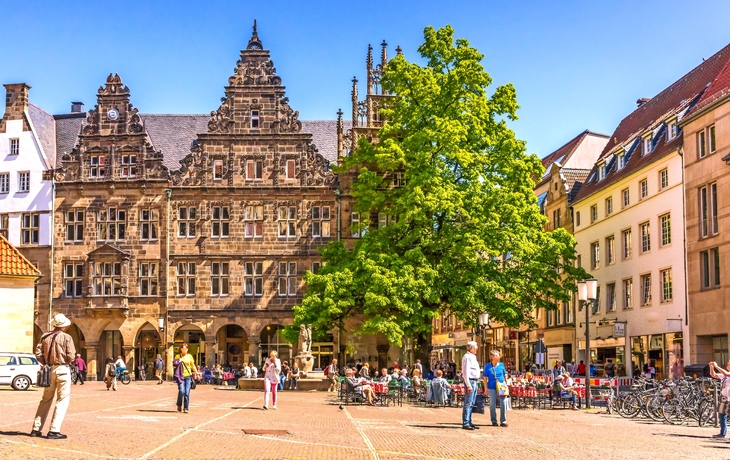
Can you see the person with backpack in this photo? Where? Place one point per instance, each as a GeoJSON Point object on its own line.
{"type": "Point", "coordinates": [110, 374]}
{"type": "Point", "coordinates": [331, 373]}
{"type": "Point", "coordinates": [159, 366]}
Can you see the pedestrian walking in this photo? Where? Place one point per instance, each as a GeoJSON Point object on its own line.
{"type": "Point", "coordinates": [609, 369]}
{"type": "Point", "coordinates": [294, 376]}
{"type": "Point", "coordinates": [494, 373]}
{"type": "Point", "coordinates": [470, 370]}
{"type": "Point", "coordinates": [332, 373]}
{"type": "Point", "coordinates": [184, 373]}
{"type": "Point", "coordinates": [418, 366]}
{"type": "Point", "coordinates": [80, 368]}
{"type": "Point", "coordinates": [724, 406]}
{"type": "Point", "coordinates": [56, 349]}
{"type": "Point", "coordinates": [159, 366]}
{"type": "Point", "coordinates": [110, 372]}
{"type": "Point", "coordinates": [272, 369]}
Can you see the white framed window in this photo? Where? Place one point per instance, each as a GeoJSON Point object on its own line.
{"type": "Point", "coordinates": [129, 166]}
{"type": "Point", "coordinates": [355, 230]}
{"type": "Point", "coordinates": [708, 210]}
{"type": "Point", "coordinates": [14, 147]}
{"type": "Point", "coordinates": [666, 228]}
{"type": "Point", "coordinates": [646, 289]}
{"type": "Point", "coordinates": [672, 130]}
{"type": "Point", "coordinates": [255, 119]}
{"type": "Point", "coordinates": [24, 181]}
{"type": "Point", "coordinates": [148, 278]}
{"type": "Point", "coordinates": [219, 279]}
{"type": "Point", "coordinates": [288, 278]}
{"type": "Point", "coordinates": [107, 279]}
{"type": "Point", "coordinates": [29, 228]}
{"type": "Point", "coordinates": [626, 243]}
{"type": "Point", "coordinates": [4, 183]}
{"type": "Point", "coordinates": [628, 294]}
{"type": "Point", "coordinates": [287, 221]}
{"type": "Point", "coordinates": [291, 172]}
{"type": "Point", "coordinates": [610, 297]}
{"type": "Point", "coordinates": [186, 273]}
{"type": "Point", "coordinates": [556, 219]}
{"type": "Point", "coordinates": [254, 169]}
{"type": "Point", "coordinates": [148, 224]}
{"type": "Point", "coordinates": [321, 221]}
{"type": "Point", "coordinates": [218, 170]}
{"type": "Point", "coordinates": [97, 166]}
{"type": "Point", "coordinates": [594, 213]}
{"type": "Point", "coordinates": [711, 139]}
{"type": "Point", "coordinates": [710, 268]}
{"type": "Point", "coordinates": [609, 206]}
{"type": "Point", "coordinates": [645, 237]}
{"type": "Point", "coordinates": [315, 267]}
{"type": "Point", "coordinates": [601, 171]}
{"type": "Point", "coordinates": [111, 224]}
{"type": "Point", "coordinates": [648, 145]}
{"type": "Point", "coordinates": [73, 274]}
{"type": "Point", "coordinates": [643, 189]}
{"type": "Point", "coordinates": [666, 288]}
{"type": "Point", "coordinates": [663, 179]}
{"type": "Point", "coordinates": [399, 179]}
{"type": "Point", "coordinates": [253, 279]}
{"type": "Point", "coordinates": [610, 250]}
{"type": "Point", "coordinates": [595, 255]}
{"type": "Point", "coordinates": [74, 225]}
{"type": "Point", "coordinates": [220, 225]}
{"type": "Point", "coordinates": [186, 221]}
{"type": "Point", "coordinates": [4, 225]}
{"type": "Point", "coordinates": [625, 198]}
{"type": "Point", "coordinates": [254, 221]}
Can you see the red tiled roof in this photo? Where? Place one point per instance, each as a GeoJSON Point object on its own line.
{"type": "Point", "coordinates": [719, 88]}
{"type": "Point", "coordinates": [12, 261]}
{"type": "Point", "coordinates": [684, 89]}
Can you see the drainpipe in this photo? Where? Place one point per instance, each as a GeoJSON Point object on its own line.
{"type": "Point", "coordinates": [685, 340]}
{"type": "Point", "coordinates": [168, 193]}
{"type": "Point", "coordinates": [53, 227]}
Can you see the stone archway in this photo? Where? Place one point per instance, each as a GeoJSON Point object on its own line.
{"type": "Point", "coordinates": [232, 345]}
{"type": "Point", "coordinates": [271, 339]}
{"type": "Point", "coordinates": [194, 336]}
{"type": "Point", "coordinates": [147, 345]}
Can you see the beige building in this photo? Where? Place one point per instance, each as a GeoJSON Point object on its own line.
{"type": "Point", "coordinates": [17, 289]}
{"type": "Point", "coordinates": [706, 157]}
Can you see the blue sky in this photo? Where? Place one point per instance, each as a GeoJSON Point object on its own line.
{"type": "Point", "coordinates": [576, 65]}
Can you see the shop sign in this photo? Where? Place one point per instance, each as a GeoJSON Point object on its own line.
{"type": "Point", "coordinates": [619, 329]}
{"type": "Point", "coordinates": [554, 354]}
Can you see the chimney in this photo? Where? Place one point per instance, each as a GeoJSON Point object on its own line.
{"type": "Point", "coordinates": [642, 101]}
{"type": "Point", "coordinates": [16, 100]}
{"type": "Point", "coordinates": [77, 107]}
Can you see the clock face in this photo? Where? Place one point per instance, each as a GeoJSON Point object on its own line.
{"type": "Point", "coordinates": [112, 114]}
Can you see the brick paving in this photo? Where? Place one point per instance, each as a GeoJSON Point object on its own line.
{"type": "Point", "coordinates": [140, 421]}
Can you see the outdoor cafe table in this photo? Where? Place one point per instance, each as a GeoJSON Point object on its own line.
{"type": "Point", "coordinates": [228, 376]}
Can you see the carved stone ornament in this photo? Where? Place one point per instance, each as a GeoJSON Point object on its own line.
{"type": "Point", "coordinates": [318, 169]}
{"type": "Point", "coordinates": [221, 121]}
{"type": "Point", "coordinates": [70, 169]}
{"type": "Point", "coordinates": [135, 122]}
{"type": "Point", "coordinates": [113, 86]}
{"type": "Point", "coordinates": [193, 168]}
{"type": "Point", "coordinates": [92, 121]}
{"type": "Point", "coordinates": [288, 121]}
{"type": "Point", "coordinates": [255, 72]}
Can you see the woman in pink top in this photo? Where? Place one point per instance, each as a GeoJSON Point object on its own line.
{"type": "Point", "coordinates": [272, 369]}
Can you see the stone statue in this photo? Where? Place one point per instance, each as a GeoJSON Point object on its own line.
{"type": "Point", "coordinates": [305, 339]}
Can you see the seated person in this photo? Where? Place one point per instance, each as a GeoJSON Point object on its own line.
{"type": "Point", "coordinates": [403, 377]}
{"type": "Point", "coordinates": [566, 389]}
{"type": "Point", "coordinates": [459, 379]}
{"type": "Point", "coordinates": [360, 387]}
{"type": "Point", "coordinates": [121, 366]}
{"type": "Point", "coordinates": [439, 391]}
{"type": "Point", "coordinates": [417, 379]}
{"type": "Point", "coordinates": [384, 376]}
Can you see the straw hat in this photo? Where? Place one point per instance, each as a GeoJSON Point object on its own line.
{"type": "Point", "coordinates": [60, 320]}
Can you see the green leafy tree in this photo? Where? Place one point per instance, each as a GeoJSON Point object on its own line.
{"type": "Point", "coordinates": [465, 234]}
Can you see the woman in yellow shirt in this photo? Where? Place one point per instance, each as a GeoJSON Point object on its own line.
{"type": "Point", "coordinates": [188, 372]}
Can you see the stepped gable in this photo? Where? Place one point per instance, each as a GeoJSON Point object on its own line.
{"type": "Point", "coordinates": [254, 122]}
{"type": "Point", "coordinates": [678, 99]}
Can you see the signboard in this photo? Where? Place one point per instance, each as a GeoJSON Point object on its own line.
{"type": "Point", "coordinates": [512, 335]}
{"type": "Point", "coordinates": [540, 359]}
{"type": "Point", "coordinates": [619, 329]}
{"type": "Point", "coordinates": [554, 354]}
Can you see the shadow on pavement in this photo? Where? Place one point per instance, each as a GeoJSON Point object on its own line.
{"type": "Point", "coordinates": [156, 410]}
{"type": "Point", "coordinates": [676, 435]}
{"type": "Point", "coordinates": [15, 433]}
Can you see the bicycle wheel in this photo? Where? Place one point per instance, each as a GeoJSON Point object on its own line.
{"type": "Point", "coordinates": [673, 412]}
{"type": "Point", "coordinates": [706, 412]}
{"type": "Point", "coordinates": [126, 379]}
{"type": "Point", "coordinates": [654, 408]}
{"type": "Point", "coordinates": [74, 377]}
{"type": "Point", "coordinates": [631, 406]}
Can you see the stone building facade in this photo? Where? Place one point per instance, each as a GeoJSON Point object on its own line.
{"type": "Point", "coordinates": [196, 228]}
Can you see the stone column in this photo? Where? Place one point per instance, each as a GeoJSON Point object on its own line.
{"type": "Point", "coordinates": [170, 358]}
{"type": "Point", "coordinates": [128, 356]}
{"type": "Point", "coordinates": [253, 352]}
{"type": "Point", "coordinates": [211, 350]}
{"type": "Point", "coordinates": [91, 361]}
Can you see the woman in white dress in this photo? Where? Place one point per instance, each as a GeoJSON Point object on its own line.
{"type": "Point", "coordinates": [272, 369]}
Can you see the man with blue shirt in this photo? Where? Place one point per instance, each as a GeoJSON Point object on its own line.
{"type": "Point", "coordinates": [470, 371]}
{"type": "Point", "coordinates": [494, 372]}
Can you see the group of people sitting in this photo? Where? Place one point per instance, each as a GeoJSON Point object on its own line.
{"type": "Point", "coordinates": [361, 384]}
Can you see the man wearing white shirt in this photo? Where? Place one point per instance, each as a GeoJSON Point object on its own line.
{"type": "Point", "coordinates": [470, 371]}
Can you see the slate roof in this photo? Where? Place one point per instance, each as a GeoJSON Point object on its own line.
{"type": "Point", "coordinates": [574, 180]}
{"type": "Point", "coordinates": [12, 262]}
{"type": "Point", "coordinates": [173, 134]}
{"type": "Point", "coordinates": [563, 154]}
{"type": "Point", "coordinates": [45, 128]}
{"type": "Point", "coordinates": [680, 98]}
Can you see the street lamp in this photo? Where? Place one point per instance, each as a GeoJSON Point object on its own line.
{"type": "Point", "coordinates": [483, 325]}
{"type": "Point", "coordinates": [587, 291]}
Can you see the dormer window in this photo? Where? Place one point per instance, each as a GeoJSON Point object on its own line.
{"type": "Point", "coordinates": [254, 118]}
{"type": "Point", "coordinates": [672, 129]}
{"type": "Point", "coordinates": [601, 171]}
{"type": "Point", "coordinates": [647, 145]}
{"type": "Point", "coordinates": [621, 160]}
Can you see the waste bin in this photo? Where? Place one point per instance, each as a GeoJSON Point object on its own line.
{"type": "Point", "coordinates": [697, 370]}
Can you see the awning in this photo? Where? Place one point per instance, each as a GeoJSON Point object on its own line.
{"type": "Point", "coordinates": [603, 343]}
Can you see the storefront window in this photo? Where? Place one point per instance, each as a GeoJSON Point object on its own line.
{"type": "Point", "coordinates": [719, 349]}
{"type": "Point", "coordinates": [675, 353]}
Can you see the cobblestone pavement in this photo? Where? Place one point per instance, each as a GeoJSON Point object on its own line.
{"type": "Point", "coordinates": [141, 421]}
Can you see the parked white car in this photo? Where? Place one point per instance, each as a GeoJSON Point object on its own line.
{"type": "Point", "coordinates": [20, 370]}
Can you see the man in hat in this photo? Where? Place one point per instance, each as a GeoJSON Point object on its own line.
{"type": "Point", "coordinates": [57, 349]}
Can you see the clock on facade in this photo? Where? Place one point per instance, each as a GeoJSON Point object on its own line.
{"type": "Point", "coordinates": [112, 114]}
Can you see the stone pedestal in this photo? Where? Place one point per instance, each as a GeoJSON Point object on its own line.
{"type": "Point", "coordinates": [306, 362]}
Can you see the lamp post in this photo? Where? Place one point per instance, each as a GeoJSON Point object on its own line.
{"type": "Point", "coordinates": [587, 290]}
{"type": "Point", "coordinates": [483, 325]}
